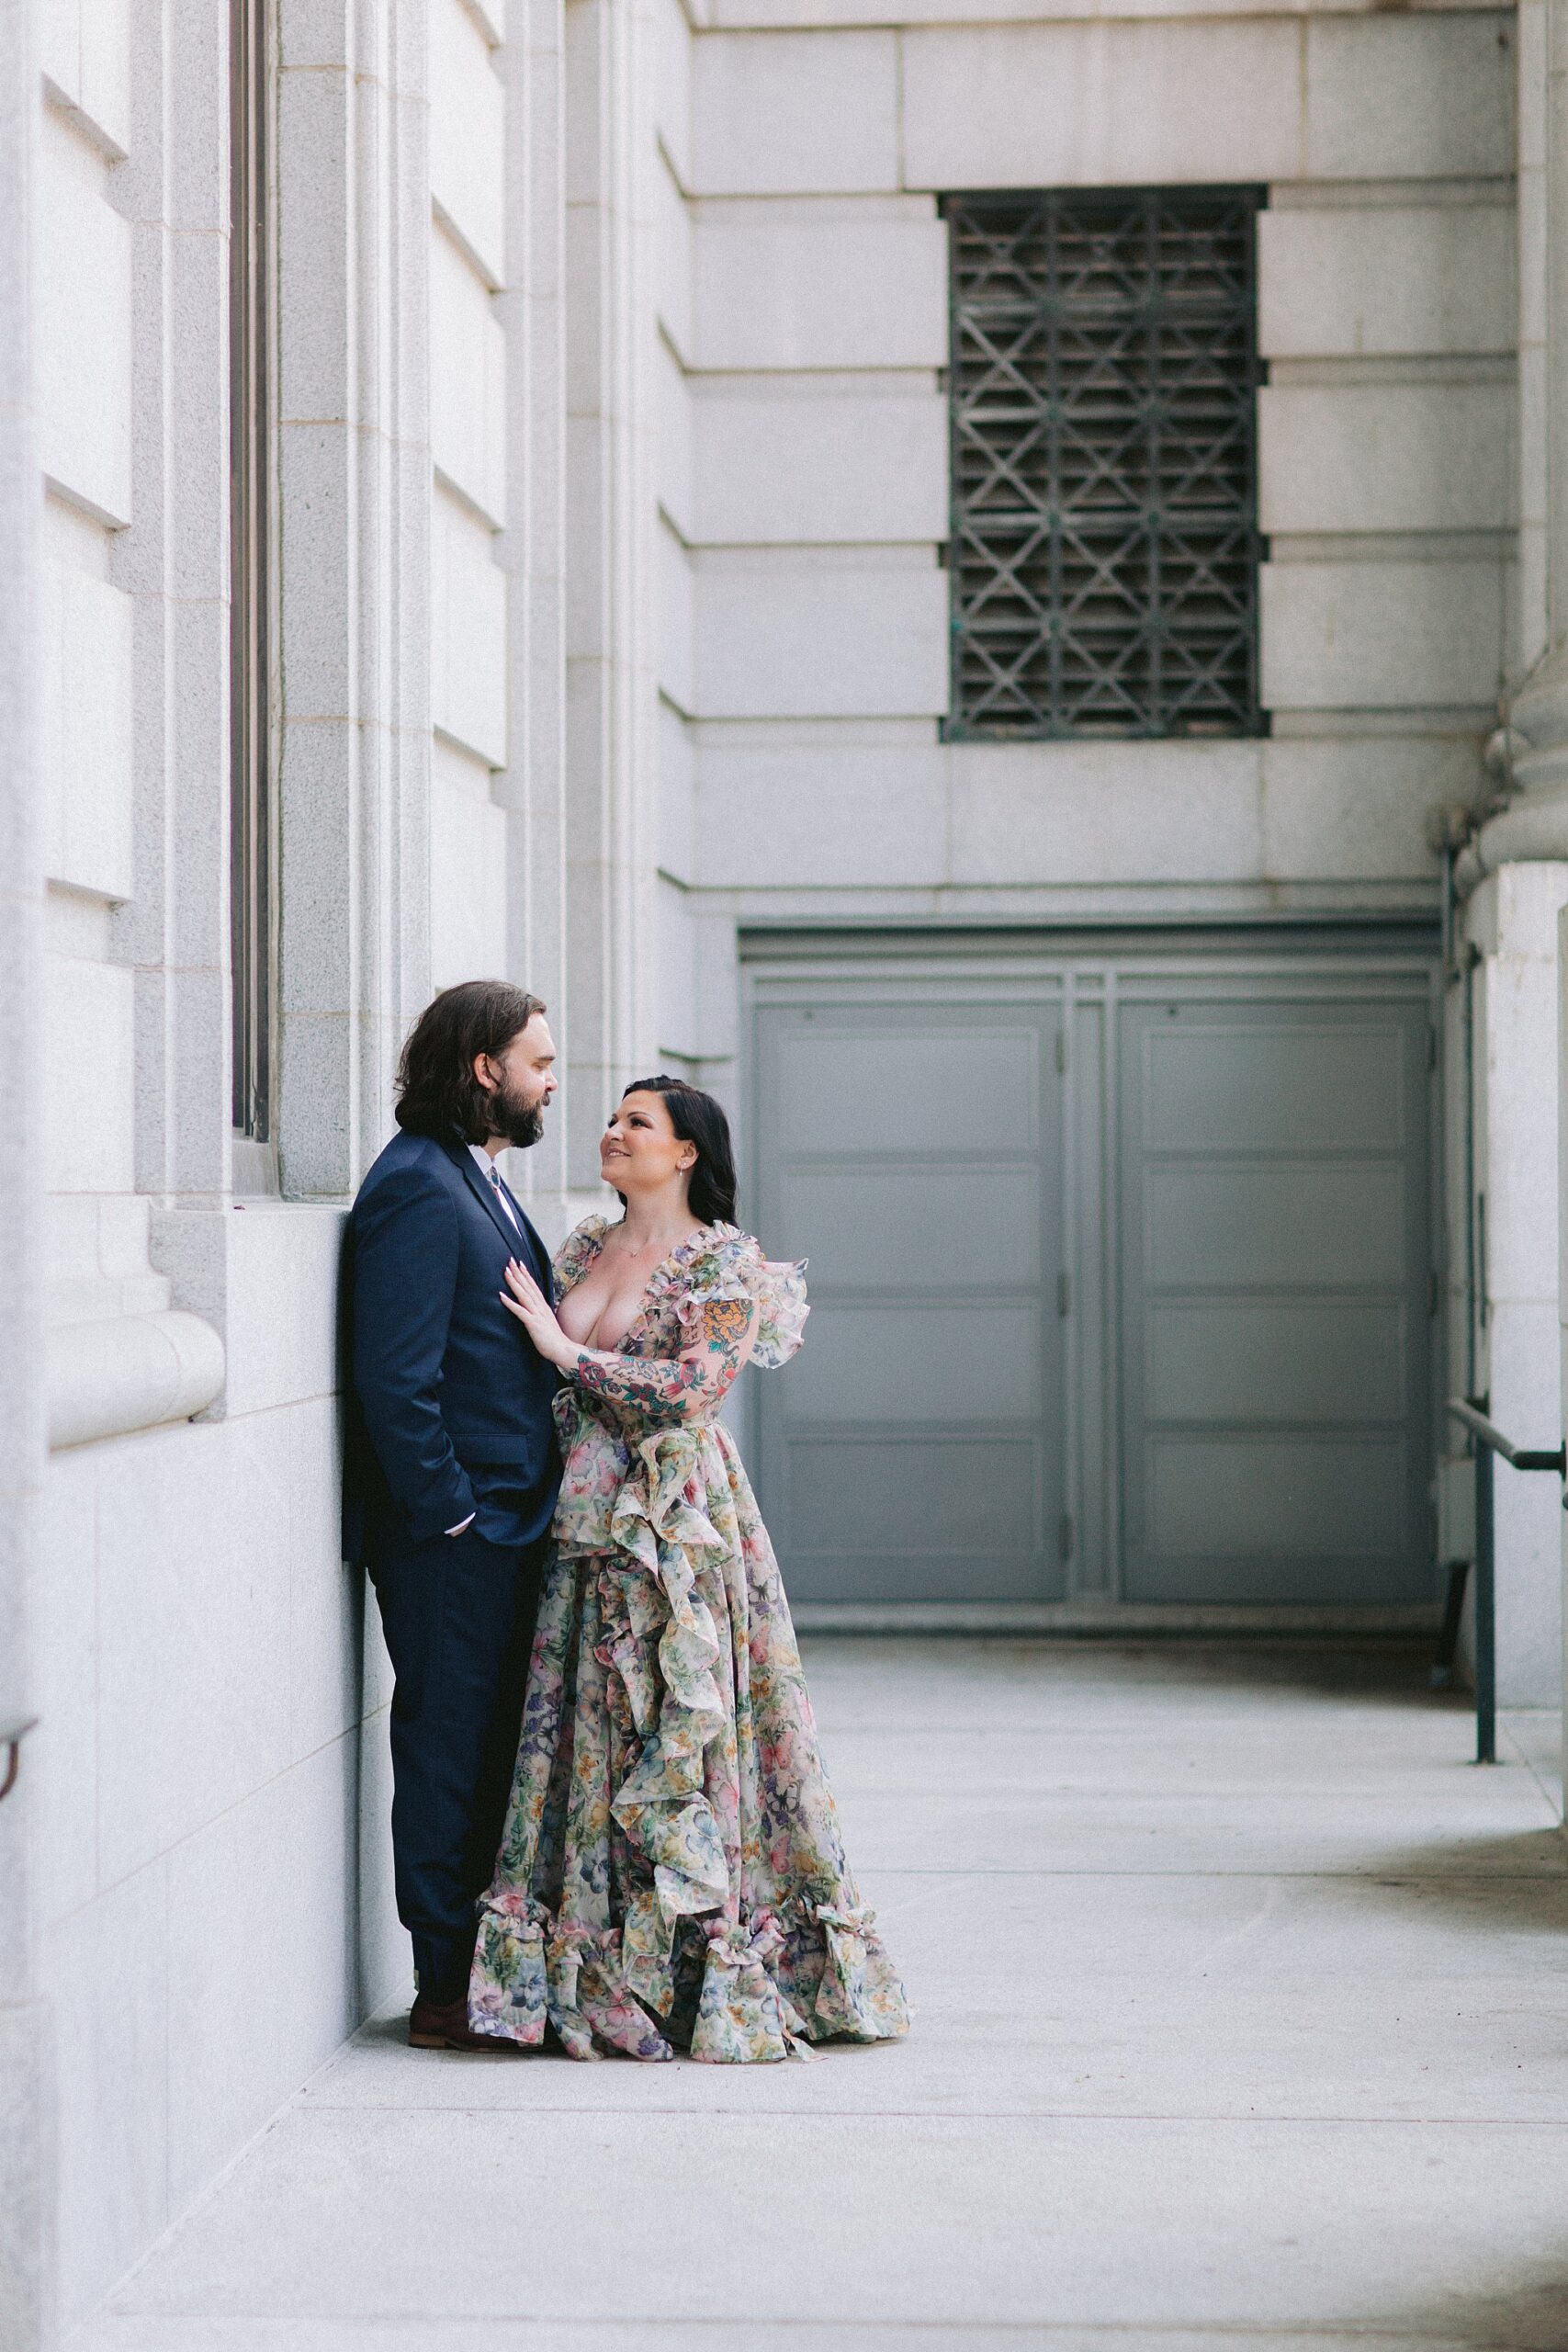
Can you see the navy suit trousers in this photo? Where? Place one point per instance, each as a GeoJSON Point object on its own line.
{"type": "Point", "coordinates": [458, 1615]}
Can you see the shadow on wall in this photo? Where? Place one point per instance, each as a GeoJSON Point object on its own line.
{"type": "Point", "coordinates": [1528, 2314]}
{"type": "Point", "coordinates": [374, 1956]}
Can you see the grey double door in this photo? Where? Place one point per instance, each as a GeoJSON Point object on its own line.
{"type": "Point", "coordinates": [1120, 1271]}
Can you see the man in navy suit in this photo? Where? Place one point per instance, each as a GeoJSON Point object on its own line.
{"type": "Point", "coordinates": [451, 1466]}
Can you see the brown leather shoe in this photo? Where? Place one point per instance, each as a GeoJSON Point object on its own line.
{"type": "Point", "coordinates": [443, 2025]}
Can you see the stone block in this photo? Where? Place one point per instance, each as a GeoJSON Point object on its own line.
{"type": "Point", "coordinates": [791, 462]}
{"type": "Point", "coordinates": [468, 380]}
{"type": "Point", "coordinates": [1381, 636]}
{"type": "Point", "coordinates": [1385, 457]}
{"type": "Point", "coordinates": [672, 98]}
{"type": "Point", "coordinates": [84, 47]}
{"type": "Point", "coordinates": [677, 793]}
{"type": "Point", "coordinates": [318, 1145]}
{"type": "Point", "coordinates": [1346, 810]}
{"type": "Point", "coordinates": [278, 1303]}
{"type": "Point", "coordinates": [259, 2008]}
{"type": "Point", "coordinates": [676, 968]}
{"type": "Point", "coordinates": [85, 629]}
{"type": "Point", "coordinates": [84, 326]}
{"type": "Point", "coordinates": [834, 283]}
{"type": "Point", "coordinates": [26, 2183]}
{"type": "Point", "coordinates": [1418, 96]}
{"type": "Point", "coordinates": [63, 1751]}
{"type": "Point", "coordinates": [780, 808]}
{"type": "Point", "coordinates": [1512, 919]}
{"type": "Point", "coordinates": [193, 1603]}
{"type": "Point", "coordinates": [317, 493]}
{"type": "Point", "coordinates": [317, 778]}
{"type": "Point", "coordinates": [588, 354]}
{"type": "Point", "coordinates": [788, 637]}
{"type": "Point", "coordinates": [674, 603]}
{"type": "Point", "coordinates": [326, 1595]}
{"type": "Point", "coordinates": [674, 428]}
{"type": "Point", "coordinates": [1102, 105]}
{"type": "Point", "coordinates": [317, 337]}
{"type": "Point", "coordinates": [673, 260]}
{"type": "Point", "coordinates": [1103, 813]}
{"type": "Point", "coordinates": [795, 113]}
{"type": "Point", "coordinates": [467, 135]}
{"type": "Point", "coordinates": [467, 629]}
{"type": "Point", "coordinates": [193, 419]}
{"type": "Point", "coordinates": [468, 870]}
{"type": "Point", "coordinates": [1341, 281]}
{"type": "Point", "coordinates": [1523, 1378]}
{"type": "Point", "coordinates": [89, 1026]}
{"type": "Point", "coordinates": [111, 2073]}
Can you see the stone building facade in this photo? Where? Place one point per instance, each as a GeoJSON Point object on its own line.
{"type": "Point", "coordinates": [593, 553]}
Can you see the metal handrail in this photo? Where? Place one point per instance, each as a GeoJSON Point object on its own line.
{"type": "Point", "coordinates": [13, 1731]}
{"type": "Point", "coordinates": [1488, 1439]}
{"type": "Point", "coordinates": [1521, 1457]}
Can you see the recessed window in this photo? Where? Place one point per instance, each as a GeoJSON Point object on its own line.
{"type": "Point", "coordinates": [1103, 386]}
{"type": "Point", "coordinates": [251, 635]}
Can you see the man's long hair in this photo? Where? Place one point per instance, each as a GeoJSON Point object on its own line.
{"type": "Point", "coordinates": [437, 1093]}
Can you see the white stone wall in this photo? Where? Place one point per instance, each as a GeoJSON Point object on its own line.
{"type": "Point", "coordinates": [816, 329]}
{"type": "Point", "coordinates": [465, 772]}
{"type": "Point", "coordinates": [25, 2107]}
{"type": "Point", "coordinates": [208, 1780]}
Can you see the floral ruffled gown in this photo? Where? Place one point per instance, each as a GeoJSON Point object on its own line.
{"type": "Point", "coordinates": [671, 1873]}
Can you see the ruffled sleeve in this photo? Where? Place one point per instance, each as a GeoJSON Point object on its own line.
{"type": "Point", "coordinates": [577, 1252]}
{"type": "Point", "coordinates": [730, 1264]}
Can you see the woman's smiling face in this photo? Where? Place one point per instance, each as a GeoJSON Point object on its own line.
{"type": "Point", "coordinates": [641, 1151]}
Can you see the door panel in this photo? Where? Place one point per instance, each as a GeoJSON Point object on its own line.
{"type": "Point", "coordinates": [1298, 1507]}
{"type": "Point", "coordinates": [1282, 1362]}
{"type": "Point", "coordinates": [902, 1496]}
{"type": "Point", "coordinates": [1228, 1226]}
{"type": "Point", "coordinates": [979, 1362]}
{"type": "Point", "coordinates": [897, 1089]}
{"type": "Point", "coordinates": [873, 1222]}
{"type": "Point", "coordinates": [1276, 1338]}
{"type": "Point", "coordinates": [1269, 1084]}
{"type": "Point", "coordinates": [913, 1450]}
{"type": "Point", "coordinates": [1247, 1304]}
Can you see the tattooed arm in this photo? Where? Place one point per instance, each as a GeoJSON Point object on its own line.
{"type": "Point", "coordinates": [687, 1385]}
{"type": "Point", "coordinates": [683, 1386]}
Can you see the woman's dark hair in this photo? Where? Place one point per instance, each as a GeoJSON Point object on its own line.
{"type": "Point", "coordinates": [697, 1118]}
{"type": "Point", "coordinates": [437, 1093]}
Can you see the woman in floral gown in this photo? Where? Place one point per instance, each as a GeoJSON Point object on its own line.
{"type": "Point", "coordinates": [671, 1874]}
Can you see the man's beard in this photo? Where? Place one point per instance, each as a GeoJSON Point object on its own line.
{"type": "Point", "coordinates": [520, 1123]}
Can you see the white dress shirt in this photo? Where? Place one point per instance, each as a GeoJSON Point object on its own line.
{"type": "Point", "coordinates": [487, 1170]}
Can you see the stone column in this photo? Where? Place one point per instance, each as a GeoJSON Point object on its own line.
{"type": "Point", "coordinates": [611, 708]}
{"type": "Point", "coordinates": [1514, 878]}
{"type": "Point", "coordinates": [1528, 756]}
{"type": "Point", "coordinates": [354, 468]}
{"type": "Point", "coordinates": [533, 551]}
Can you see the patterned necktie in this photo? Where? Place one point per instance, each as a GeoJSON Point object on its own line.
{"type": "Point", "coordinates": [506, 1209]}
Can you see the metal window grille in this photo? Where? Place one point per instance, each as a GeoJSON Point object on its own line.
{"type": "Point", "coordinates": [1104, 547]}
{"type": "Point", "coordinates": [253, 573]}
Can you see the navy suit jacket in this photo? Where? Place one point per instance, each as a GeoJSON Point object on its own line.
{"type": "Point", "coordinates": [449, 1403]}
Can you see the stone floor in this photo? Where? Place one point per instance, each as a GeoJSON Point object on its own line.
{"type": "Point", "coordinates": [1243, 2019]}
